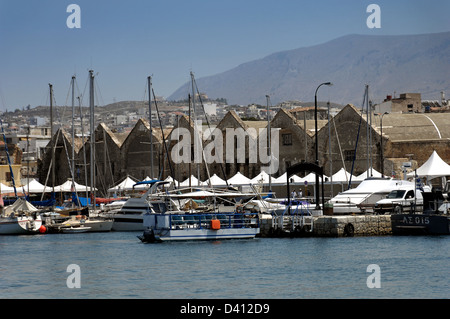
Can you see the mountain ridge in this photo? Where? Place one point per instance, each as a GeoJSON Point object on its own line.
{"type": "Point", "coordinates": [387, 63]}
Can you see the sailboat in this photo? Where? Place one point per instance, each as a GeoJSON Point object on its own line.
{"type": "Point", "coordinates": [96, 223]}
{"type": "Point", "coordinates": [20, 217]}
{"type": "Point", "coordinates": [81, 219]}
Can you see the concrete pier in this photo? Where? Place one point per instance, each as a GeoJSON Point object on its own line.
{"type": "Point", "coordinates": [331, 226]}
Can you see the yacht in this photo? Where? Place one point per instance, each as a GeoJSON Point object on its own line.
{"type": "Point", "coordinates": [128, 214]}
{"type": "Point", "coordinates": [364, 197]}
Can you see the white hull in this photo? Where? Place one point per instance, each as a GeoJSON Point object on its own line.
{"type": "Point", "coordinates": [99, 225]}
{"type": "Point", "coordinates": [128, 222]}
{"type": "Point", "coordinates": [19, 225]}
{"type": "Point", "coordinates": [179, 227]}
{"type": "Point", "coordinates": [73, 230]}
{"type": "Point", "coordinates": [207, 234]}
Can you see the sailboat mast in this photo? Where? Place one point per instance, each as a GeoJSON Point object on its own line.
{"type": "Point", "coordinates": [51, 137]}
{"type": "Point", "coordinates": [195, 128]}
{"type": "Point", "coordinates": [368, 130]}
{"type": "Point", "coordinates": [84, 147]}
{"type": "Point", "coordinates": [92, 135]}
{"type": "Point", "coordinates": [73, 132]}
{"type": "Point", "coordinates": [150, 121]}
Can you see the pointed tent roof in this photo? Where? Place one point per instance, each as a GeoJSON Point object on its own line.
{"type": "Point", "coordinates": [311, 178]}
{"type": "Point", "coordinates": [216, 181]}
{"type": "Point", "coordinates": [35, 187]}
{"type": "Point", "coordinates": [6, 189]}
{"type": "Point", "coordinates": [67, 187]}
{"type": "Point", "coordinates": [194, 182]}
{"type": "Point", "coordinates": [432, 168]}
{"type": "Point", "coordinates": [342, 176]}
{"type": "Point", "coordinates": [363, 176]}
{"type": "Point", "coordinates": [294, 179]}
{"type": "Point", "coordinates": [261, 176]}
{"type": "Point", "coordinates": [127, 183]}
{"type": "Point", "coordinates": [239, 179]}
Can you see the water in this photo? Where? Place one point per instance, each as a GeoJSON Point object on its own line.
{"type": "Point", "coordinates": [118, 265]}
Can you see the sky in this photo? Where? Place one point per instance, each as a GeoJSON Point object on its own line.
{"type": "Point", "coordinates": [126, 41]}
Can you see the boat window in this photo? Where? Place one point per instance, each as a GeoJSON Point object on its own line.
{"type": "Point", "coordinates": [396, 194]}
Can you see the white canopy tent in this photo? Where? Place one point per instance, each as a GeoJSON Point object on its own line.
{"type": "Point", "coordinates": [342, 176]}
{"type": "Point", "coordinates": [432, 168]}
{"type": "Point", "coordinates": [311, 178]}
{"type": "Point", "coordinates": [261, 177]}
{"type": "Point", "coordinates": [194, 182]}
{"type": "Point", "coordinates": [239, 179]}
{"type": "Point", "coordinates": [294, 179]}
{"type": "Point", "coordinates": [279, 180]}
{"type": "Point", "coordinates": [171, 180]}
{"type": "Point", "coordinates": [67, 187]}
{"type": "Point", "coordinates": [35, 187]}
{"type": "Point", "coordinates": [6, 189]}
{"type": "Point", "coordinates": [216, 181]}
{"type": "Point", "coordinates": [363, 176]}
{"type": "Point", "coordinates": [126, 184]}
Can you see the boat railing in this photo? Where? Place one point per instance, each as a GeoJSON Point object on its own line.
{"type": "Point", "coordinates": [204, 221]}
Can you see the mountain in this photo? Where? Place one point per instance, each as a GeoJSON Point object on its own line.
{"type": "Point", "coordinates": [401, 64]}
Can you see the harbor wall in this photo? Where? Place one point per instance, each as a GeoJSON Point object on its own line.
{"type": "Point", "coordinates": [340, 226]}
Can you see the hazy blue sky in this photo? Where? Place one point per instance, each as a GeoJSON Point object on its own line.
{"type": "Point", "coordinates": [125, 41]}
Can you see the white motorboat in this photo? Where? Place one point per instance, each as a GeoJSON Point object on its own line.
{"type": "Point", "coordinates": [130, 216]}
{"type": "Point", "coordinates": [20, 218]}
{"type": "Point", "coordinates": [364, 197]}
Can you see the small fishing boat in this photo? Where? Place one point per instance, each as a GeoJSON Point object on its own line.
{"type": "Point", "coordinates": [74, 230]}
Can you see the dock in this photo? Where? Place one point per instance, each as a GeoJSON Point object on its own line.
{"type": "Point", "coordinates": [326, 226]}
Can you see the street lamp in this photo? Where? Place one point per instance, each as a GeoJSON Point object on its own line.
{"type": "Point", "coordinates": [382, 152]}
{"type": "Point", "coordinates": [317, 146]}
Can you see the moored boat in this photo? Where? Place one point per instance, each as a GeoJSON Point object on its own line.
{"type": "Point", "coordinates": [20, 218]}
{"type": "Point", "coordinates": [364, 197]}
{"type": "Point", "coordinates": [202, 226]}
{"type": "Point", "coordinates": [433, 220]}
{"type": "Point", "coordinates": [20, 225]}
{"type": "Point", "coordinates": [74, 230]}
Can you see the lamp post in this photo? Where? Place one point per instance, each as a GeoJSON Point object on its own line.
{"type": "Point", "coordinates": [381, 146]}
{"type": "Point", "coordinates": [317, 145]}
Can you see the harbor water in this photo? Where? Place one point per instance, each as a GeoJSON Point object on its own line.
{"type": "Point", "coordinates": [118, 265]}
